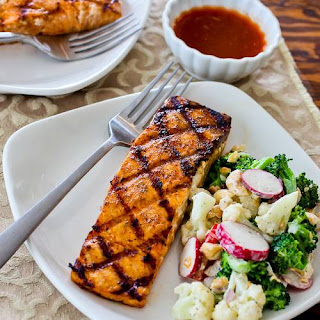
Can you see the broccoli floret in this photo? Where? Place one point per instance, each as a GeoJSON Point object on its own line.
{"type": "Point", "coordinates": [285, 253]}
{"type": "Point", "coordinates": [262, 163]}
{"type": "Point", "coordinates": [291, 249]}
{"type": "Point", "coordinates": [244, 162]}
{"type": "Point", "coordinates": [276, 296]}
{"type": "Point", "coordinates": [302, 230]}
{"type": "Point", "coordinates": [280, 168]}
{"type": "Point", "coordinates": [309, 192]}
{"type": "Point", "coordinates": [225, 269]}
{"type": "Point", "coordinates": [213, 177]}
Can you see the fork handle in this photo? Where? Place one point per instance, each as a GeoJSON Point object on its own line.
{"type": "Point", "coordinates": [9, 37]}
{"type": "Point", "coordinates": [14, 236]}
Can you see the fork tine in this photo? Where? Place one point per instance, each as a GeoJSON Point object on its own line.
{"type": "Point", "coordinates": [107, 46]}
{"type": "Point", "coordinates": [103, 41]}
{"type": "Point", "coordinates": [82, 35]}
{"type": "Point", "coordinates": [127, 111]}
{"type": "Point", "coordinates": [143, 107]}
{"type": "Point", "coordinates": [102, 34]}
{"type": "Point", "coordinates": [145, 120]}
{"type": "Point", "coordinates": [184, 87]}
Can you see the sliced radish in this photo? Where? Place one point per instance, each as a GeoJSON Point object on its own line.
{"type": "Point", "coordinates": [211, 235]}
{"type": "Point", "coordinates": [190, 259]}
{"type": "Point", "coordinates": [262, 183]}
{"type": "Point", "coordinates": [242, 242]}
{"type": "Point", "coordinates": [293, 279]}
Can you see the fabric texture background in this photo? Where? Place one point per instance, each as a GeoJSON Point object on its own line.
{"type": "Point", "coordinates": [25, 293]}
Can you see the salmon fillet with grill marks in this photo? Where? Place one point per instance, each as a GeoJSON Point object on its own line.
{"type": "Point", "coordinates": [56, 17]}
{"type": "Point", "coordinates": [147, 200]}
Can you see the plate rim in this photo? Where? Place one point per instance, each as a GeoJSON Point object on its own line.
{"type": "Point", "coordinates": [83, 82]}
{"type": "Point", "coordinates": [40, 260]}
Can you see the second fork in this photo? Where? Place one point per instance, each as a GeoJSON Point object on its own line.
{"type": "Point", "coordinates": [124, 128]}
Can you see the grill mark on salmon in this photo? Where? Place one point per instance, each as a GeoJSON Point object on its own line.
{"type": "Point", "coordinates": [160, 168]}
{"type": "Point", "coordinates": [134, 223]}
{"type": "Point", "coordinates": [79, 269]}
{"type": "Point", "coordinates": [129, 285]}
{"type": "Point", "coordinates": [107, 252]}
{"type": "Point", "coordinates": [110, 261]}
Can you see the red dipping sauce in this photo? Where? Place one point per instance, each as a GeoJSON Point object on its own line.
{"type": "Point", "coordinates": [220, 32]}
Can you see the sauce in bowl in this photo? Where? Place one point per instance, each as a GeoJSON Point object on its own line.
{"type": "Point", "coordinates": [221, 32]}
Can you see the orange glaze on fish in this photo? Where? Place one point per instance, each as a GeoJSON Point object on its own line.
{"type": "Point", "coordinates": [147, 200]}
{"type": "Point", "coordinates": [56, 17]}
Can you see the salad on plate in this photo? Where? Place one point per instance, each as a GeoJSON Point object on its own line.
{"type": "Point", "coordinates": [250, 236]}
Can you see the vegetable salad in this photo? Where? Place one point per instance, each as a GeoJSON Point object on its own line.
{"type": "Point", "coordinates": [251, 234]}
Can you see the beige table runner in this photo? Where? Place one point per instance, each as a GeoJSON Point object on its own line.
{"type": "Point", "coordinates": [25, 293]}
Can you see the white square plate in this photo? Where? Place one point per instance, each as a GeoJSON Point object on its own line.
{"type": "Point", "coordinates": [41, 154]}
{"type": "Point", "coordinates": [26, 70]}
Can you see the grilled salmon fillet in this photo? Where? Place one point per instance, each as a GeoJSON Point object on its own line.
{"type": "Point", "coordinates": [56, 17]}
{"type": "Point", "coordinates": [147, 200]}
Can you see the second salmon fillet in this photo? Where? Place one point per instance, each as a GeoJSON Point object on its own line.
{"type": "Point", "coordinates": [147, 199]}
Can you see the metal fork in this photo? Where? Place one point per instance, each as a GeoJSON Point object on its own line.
{"type": "Point", "coordinates": [123, 128]}
{"type": "Point", "coordinates": [80, 45]}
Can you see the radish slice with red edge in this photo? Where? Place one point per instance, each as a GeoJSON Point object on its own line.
{"type": "Point", "coordinates": [262, 183]}
{"type": "Point", "coordinates": [242, 242]}
{"type": "Point", "coordinates": [293, 280]}
{"type": "Point", "coordinates": [211, 235]}
{"type": "Point", "coordinates": [190, 259]}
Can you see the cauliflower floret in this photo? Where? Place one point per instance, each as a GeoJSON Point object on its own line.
{"type": "Point", "coordinates": [276, 219]}
{"type": "Point", "coordinates": [236, 212]}
{"type": "Point", "coordinates": [242, 300]}
{"type": "Point", "coordinates": [234, 184]}
{"type": "Point", "coordinates": [195, 302]}
{"type": "Point", "coordinates": [251, 203]}
{"type": "Point", "coordinates": [196, 191]}
{"type": "Point", "coordinates": [223, 312]}
{"type": "Point", "coordinates": [249, 311]}
{"type": "Point", "coordinates": [202, 204]}
{"type": "Point", "coordinates": [254, 292]}
{"type": "Point", "coordinates": [222, 193]}
{"type": "Point", "coordinates": [264, 208]}
{"type": "Point", "coordinates": [225, 202]}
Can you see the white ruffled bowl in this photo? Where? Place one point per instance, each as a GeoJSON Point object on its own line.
{"type": "Point", "coordinates": [209, 67]}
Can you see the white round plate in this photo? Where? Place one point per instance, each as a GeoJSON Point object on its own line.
{"type": "Point", "coordinates": [26, 70]}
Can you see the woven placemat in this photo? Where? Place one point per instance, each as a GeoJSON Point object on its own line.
{"type": "Point", "coordinates": [25, 293]}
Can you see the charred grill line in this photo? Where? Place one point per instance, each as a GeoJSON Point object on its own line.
{"type": "Point", "coordinates": [110, 261]}
{"type": "Point", "coordinates": [115, 221]}
{"type": "Point", "coordinates": [136, 226]}
{"type": "Point", "coordinates": [80, 269]}
{"type": "Point", "coordinates": [175, 155]}
{"type": "Point", "coordinates": [156, 183]}
{"type": "Point", "coordinates": [130, 286]}
{"type": "Point", "coordinates": [107, 252]}
{"type": "Point", "coordinates": [166, 205]}
{"type": "Point", "coordinates": [148, 258]}
{"type": "Point", "coordinates": [145, 247]}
